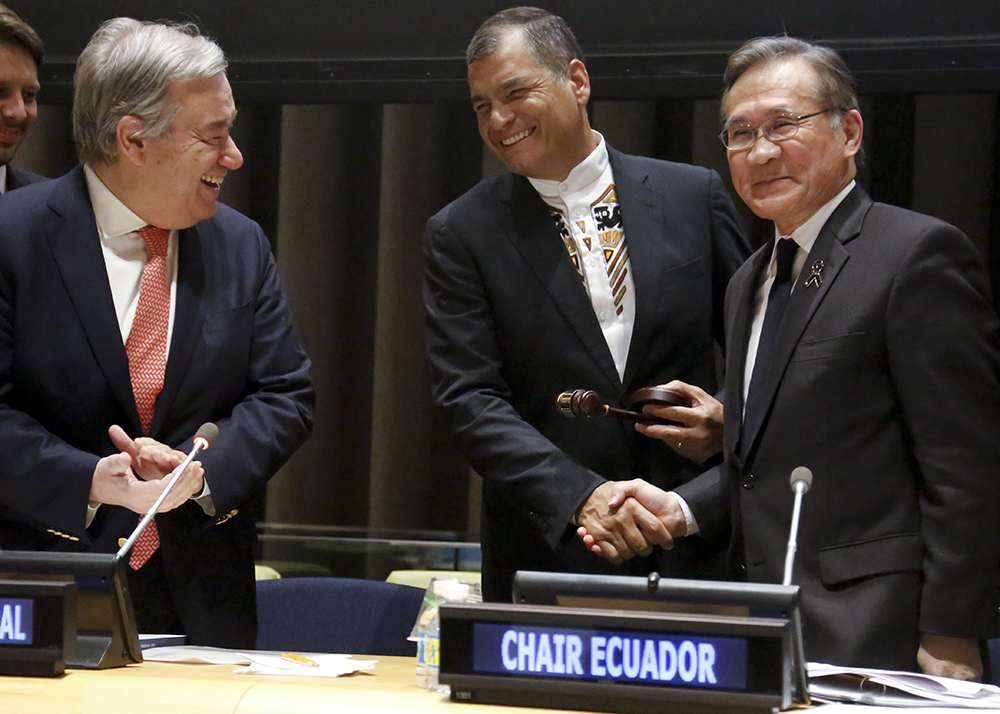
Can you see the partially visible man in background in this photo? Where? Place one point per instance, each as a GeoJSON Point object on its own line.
{"type": "Point", "coordinates": [21, 55]}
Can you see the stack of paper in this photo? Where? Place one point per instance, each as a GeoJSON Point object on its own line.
{"type": "Point", "coordinates": [879, 686]}
{"type": "Point", "coordinates": [298, 664]}
{"type": "Point", "coordinates": [323, 665]}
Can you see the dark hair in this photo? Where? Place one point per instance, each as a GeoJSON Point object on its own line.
{"type": "Point", "coordinates": [834, 87]}
{"type": "Point", "coordinates": [16, 31]}
{"type": "Point", "coordinates": [547, 36]}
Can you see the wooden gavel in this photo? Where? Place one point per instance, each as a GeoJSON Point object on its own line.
{"type": "Point", "coordinates": [586, 403]}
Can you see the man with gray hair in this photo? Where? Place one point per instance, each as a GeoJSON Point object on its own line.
{"type": "Point", "coordinates": [133, 308]}
{"type": "Point", "coordinates": [21, 54]}
{"type": "Point", "coordinates": [579, 268]}
{"type": "Point", "coordinates": [863, 346]}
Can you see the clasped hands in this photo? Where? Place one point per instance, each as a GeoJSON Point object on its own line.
{"type": "Point", "coordinates": [136, 477]}
{"type": "Point", "coordinates": [623, 519]}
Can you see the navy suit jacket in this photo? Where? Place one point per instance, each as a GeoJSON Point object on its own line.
{"type": "Point", "coordinates": [510, 326]}
{"type": "Point", "coordinates": [64, 379]}
{"type": "Point", "coordinates": [886, 384]}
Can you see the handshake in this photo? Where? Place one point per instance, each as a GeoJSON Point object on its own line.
{"type": "Point", "coordinates": [623, 519]}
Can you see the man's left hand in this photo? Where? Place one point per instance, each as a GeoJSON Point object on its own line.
{"type": "Point", "coordinates": [950, 657]}
{"type": "Point", "coordinates": [151, 460]}
{"type": "Point", "coordinates": [699, 435]}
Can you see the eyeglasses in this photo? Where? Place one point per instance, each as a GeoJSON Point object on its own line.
{"type": "Point", "coordinates": [740, 137]}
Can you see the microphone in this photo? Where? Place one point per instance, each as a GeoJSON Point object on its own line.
{"type": "Point", "coordinates": [800, 480]}
{"type": "Point", "coordinates": [203, 438]}
{"type": "Point", "coordinates": [586, 403]}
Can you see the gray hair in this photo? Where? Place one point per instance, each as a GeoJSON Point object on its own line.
{"type": "Point", "coordinates": [834, 86]}
{"type": "Point", "coordinates": [127, 69]}
{"type": "Point", "coordinates": [547, 36]}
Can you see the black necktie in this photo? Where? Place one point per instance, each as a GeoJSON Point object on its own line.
{"type": "Point", "coordinates": [777, 300]}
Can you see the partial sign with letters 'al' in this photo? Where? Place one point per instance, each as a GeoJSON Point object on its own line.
{"type": "Point", "coordinates": [16, 620]}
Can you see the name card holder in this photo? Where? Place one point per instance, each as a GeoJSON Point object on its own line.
{"type": "Point", "coordinates": [37, 627]}
{"type": "Point", "coordinates": [628, 660]}
{"type": "Point", "coordinates": [104, 631]}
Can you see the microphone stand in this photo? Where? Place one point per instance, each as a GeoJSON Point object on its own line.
{"type": "Point", "coordinates": [801, 481]}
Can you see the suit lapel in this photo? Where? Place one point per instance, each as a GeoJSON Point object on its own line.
{"type": "Point", "coordinates": [13, 179]}
{"type": "Point", "coordinates": [644, 230]}
{"type": "Point", "coordinates": [76, 247]}
{"type": "Point", "coordinates": [537, 238]}
{"type": "Point", "coordinates": [744, 292]}
{"type": "Point", "coordinates": [827, 257]}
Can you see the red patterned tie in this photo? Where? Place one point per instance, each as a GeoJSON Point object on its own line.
{"type": "Point", "coordinates": [147, 354]}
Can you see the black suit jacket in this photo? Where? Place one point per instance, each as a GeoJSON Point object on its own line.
{"type": "Point", "coordinates": [886, 386]}
{"type": "Point", "coordinates": [17, 178]}
{"type": "Point", "coordinates": [510, 326]}
{"type": "Point", "coordinates": [64, 380]}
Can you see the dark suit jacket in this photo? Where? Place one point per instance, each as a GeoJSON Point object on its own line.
{"type": "Point", "coordinates": [510, 326]}
{"type": "Point", "coordinates": [17, 178]}
{"type": "Point", "coordinates": [886, 387]}
{"type": "Point", "coordinates": [64, 380]}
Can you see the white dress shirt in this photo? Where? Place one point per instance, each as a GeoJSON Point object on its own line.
{"type": "Point", "coordinates": [125, 253]}
{"type": "Point", "coordinates": [590, 219]}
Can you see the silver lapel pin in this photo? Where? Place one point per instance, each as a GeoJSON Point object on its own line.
{"type": "Point", "coordinates": [816, 279]}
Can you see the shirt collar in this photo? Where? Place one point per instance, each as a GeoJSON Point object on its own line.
{"type": "Point", "coordinates": [114, 218]}
{"type": "Point", "coordinates": [3, 179]}
{"type": "Point", "coordinates": [806, 234]}
{"type": "Point", "coordinates": [584, 175]}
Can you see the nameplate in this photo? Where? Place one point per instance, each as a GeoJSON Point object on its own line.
{"type": "Point", "coordinates": [583, 658]}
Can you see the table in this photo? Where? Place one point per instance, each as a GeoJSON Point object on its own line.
{"type": "Point", "coordinates": [161, 688]}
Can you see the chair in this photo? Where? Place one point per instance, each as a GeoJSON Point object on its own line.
{"type": "Point", "coordinates": [265, 572]}
{"type": "Point", "coordinates": [342, 615]}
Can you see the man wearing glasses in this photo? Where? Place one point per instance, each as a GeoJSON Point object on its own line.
{"type": "Point", "coordinates": [862, 345]}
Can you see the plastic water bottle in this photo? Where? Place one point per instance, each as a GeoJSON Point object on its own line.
{"type": "Point", "coordinates": [424, 648]}
{"type": "Point", "coordinates": [429, 631]}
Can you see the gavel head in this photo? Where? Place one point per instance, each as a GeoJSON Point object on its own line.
{"type": "Point", "coordinates": [580, 403]}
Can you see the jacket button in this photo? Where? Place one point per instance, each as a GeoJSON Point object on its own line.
{"type": "Point", "coordinates": [748, 481]}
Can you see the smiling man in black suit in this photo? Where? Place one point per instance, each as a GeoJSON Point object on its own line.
{"type": "Point", "coordinates": [579, 267]}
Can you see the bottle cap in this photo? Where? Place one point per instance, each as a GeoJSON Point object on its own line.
{"type": "Point", "coordinates": [448, 589]}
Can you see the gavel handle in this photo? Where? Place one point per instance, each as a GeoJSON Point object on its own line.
{"type": "Point", "coordinates": [638, 417]}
